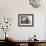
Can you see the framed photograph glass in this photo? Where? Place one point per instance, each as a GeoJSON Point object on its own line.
{"type": "Point", "coordinates": [25, 19]}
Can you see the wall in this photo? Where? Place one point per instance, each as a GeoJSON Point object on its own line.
{"type": "Point", "coordinates": [11, 8]}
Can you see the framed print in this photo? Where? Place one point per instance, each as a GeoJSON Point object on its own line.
{"type": "Point", "coordinates": [25, 20]}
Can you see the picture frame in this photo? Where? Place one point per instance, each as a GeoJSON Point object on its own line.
{"type": "Point", "coordinates": [25, 20]}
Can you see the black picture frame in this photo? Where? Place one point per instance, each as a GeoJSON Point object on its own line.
{"type": "Point", "coordinates": [26, 20]}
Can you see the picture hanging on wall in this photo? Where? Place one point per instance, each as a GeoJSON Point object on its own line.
{"type": "Point", "coordinates": [25, 20]}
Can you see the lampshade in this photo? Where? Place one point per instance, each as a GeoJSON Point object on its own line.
{"type": "Point", "coordinates": [36, 3]}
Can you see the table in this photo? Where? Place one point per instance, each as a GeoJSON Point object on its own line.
{"type": "Point", "coordinates": [28, 43]}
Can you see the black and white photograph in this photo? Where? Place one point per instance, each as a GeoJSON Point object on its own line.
{"type": "Point", "coordinates": [25, 19]}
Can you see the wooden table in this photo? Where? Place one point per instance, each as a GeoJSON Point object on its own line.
{"type": "Point", "coordinates": [28, 43]}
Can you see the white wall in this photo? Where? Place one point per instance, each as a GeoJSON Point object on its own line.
{"type": "Point", "coordinates": [11, 8]}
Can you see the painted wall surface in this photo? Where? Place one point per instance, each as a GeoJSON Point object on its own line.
{"type": "Point", "coordinates": [11, 8]}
